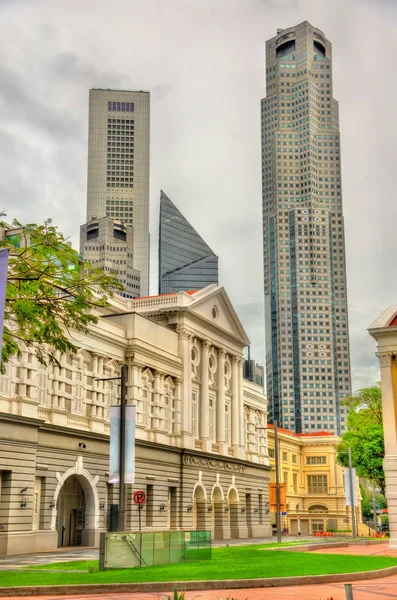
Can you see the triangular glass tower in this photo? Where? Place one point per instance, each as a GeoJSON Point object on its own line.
{"type": "Point", "coordinates": [186, 262]}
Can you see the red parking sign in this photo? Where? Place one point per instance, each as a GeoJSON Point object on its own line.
{"type": "Point", "coordinates": [139, 497]}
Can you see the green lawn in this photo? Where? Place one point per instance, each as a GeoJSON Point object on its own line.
{"type": "Point", "coordinates": [227, 563]}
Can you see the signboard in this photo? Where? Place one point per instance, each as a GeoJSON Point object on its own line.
{"type": "Point", "coordinates": [139, 497]}
{"type": "Point", "coordinates": [273, 500]}
{"type": "Point", "coordinates": [284, 514]}
{"type": "Point", "coordinates": [114, 453]}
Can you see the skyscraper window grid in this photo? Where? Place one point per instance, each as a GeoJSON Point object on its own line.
{"type": "Point", "coordinates": [118, 166]}
{"type": "Point", "coordinates": [307, 344]}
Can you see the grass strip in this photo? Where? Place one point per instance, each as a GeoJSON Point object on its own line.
{"type": "Point", "coordinates": [239, 562]}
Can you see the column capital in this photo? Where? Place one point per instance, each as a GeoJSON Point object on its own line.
{"type": "Point", "coordinates": [384, 358]}
{"type": "Point", "coordinates": [222, 353]}
{"type": "Point", "coordinates": [237, 360]}
{"type": "Point", "coordinates": [178, 380]}
{"type": "Point", "coordinates": [205, 344]}
{"type": "Point", "coordinates": [183, 333]}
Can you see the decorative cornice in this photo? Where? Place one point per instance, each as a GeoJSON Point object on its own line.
{"type": "Point", "coordinates": [211, 463]}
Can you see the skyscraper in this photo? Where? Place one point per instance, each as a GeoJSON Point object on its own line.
{"type": "Point", "coordinates": [108, 245]}
{"type": "Point", "coordinates": [186, 262]}
{"type": "Point", "coordinates": [307, 339]}
{"type": "Point", "coordinates": [118, 166]}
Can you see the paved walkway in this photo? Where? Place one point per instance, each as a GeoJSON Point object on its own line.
{"type": "Point", "coordinates": [379, 549]}
{"type": "Point", "coordinates": [380, 589]}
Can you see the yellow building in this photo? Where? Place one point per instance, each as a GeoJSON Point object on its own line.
{"type": "Point", "coordinates": [315, 495]}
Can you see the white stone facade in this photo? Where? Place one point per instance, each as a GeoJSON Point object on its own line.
{"type": "Point", "coordinates": [384, 330]}
{"type": "Point", "coordinates": [200, 456]}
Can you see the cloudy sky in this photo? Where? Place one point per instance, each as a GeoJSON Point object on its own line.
{"type": "Point", "coordinates": [203, 62]}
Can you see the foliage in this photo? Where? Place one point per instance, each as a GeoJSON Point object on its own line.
{"type": "Point", "coordinates": [176, 596]}
{"type": "Point", "coordinates": [49, 293]}
{"type": "Point", "coordinates": [366, 504]}
{"type": "Point", "coordinates": [381, 501]}
{"type": "Point", "coordinates": [235, 562]}
{"type": "Point", "coordinates": [364, 435]}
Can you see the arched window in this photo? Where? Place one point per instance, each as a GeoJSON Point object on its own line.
{"type": "Point", "coordinates": [143, 404]}
{"type": "Point", "coordinates": [169, 400]}
{"type": "Point", "coordinates": [318, 508]}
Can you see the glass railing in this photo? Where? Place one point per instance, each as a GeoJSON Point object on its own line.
{"type": "Point", "coordinates": [143, 549]}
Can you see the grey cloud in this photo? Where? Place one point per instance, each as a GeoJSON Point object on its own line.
{"type": "Point", "coordinates": [162, 90]}
{"type": "Point", "coordinates": [68, 65]}
{"type": "Point", "coordinates": [18, 102]}
{"type": "Point", "coordinates": [204, 64]}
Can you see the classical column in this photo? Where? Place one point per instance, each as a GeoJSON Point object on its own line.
{"type": "Point", "coordinates": [388, 371]}
{"type": "Point", "coordinates": [177, 408]}
{"type": "Point", "coordinates": [235, 403]}
{"type": "Point", "coordinates": [204, 427]}
{"type": "Point", "coordinates": [237, 409]}
{"type": "Point", "coordinates": [241, 402]}
{"type": "Point", "coordinates": [162, 407]}
{"type": "Point", "coordinates": [184, 351]}
{"type": "Point", "coordinates": [95, 365]}
{"type": "Point", "coordinates": [221, 403]}
{"type": "Point", "coordinates": [156, 400]}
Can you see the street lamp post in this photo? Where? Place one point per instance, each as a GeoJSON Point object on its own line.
{"type": "Point", "coordinates": [354, 529]}
{"type": "Point", "coordinates": [351, 490]}
{"type": "Point", "coordinates": [276, 461]}
{"type": "Point", "coordinates": [374, 505]}
{"type": "Point", "coordinates": [123, 382]}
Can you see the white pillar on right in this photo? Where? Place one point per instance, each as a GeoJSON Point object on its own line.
{"type": "Point", "coordinates": [388, 370]}
{"type": "Point", "coordinates": [237, 409]}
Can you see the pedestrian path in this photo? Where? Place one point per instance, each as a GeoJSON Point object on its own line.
{"type": "Point", "coordinates": [379, 589]}
{"type": "Point", "coordinates": [378, 549]}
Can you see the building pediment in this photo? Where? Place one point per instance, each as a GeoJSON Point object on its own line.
{"type": "Point", "coordinates": [112, 365]}
{"type": "Point", "coordinates": [213, 304]}
{"type": "Point", "coordinates": [387, 319]}
{"type": "Point", "coordinates": [83, 355]}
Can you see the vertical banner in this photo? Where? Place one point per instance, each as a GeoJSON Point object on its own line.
{"type": "Point", "coordinates": [273, 497]}
{"type": "Point", "coordinates": [347, 487]}
{"type": "Point", "coordinates": [114, 451]}
{"type": "Point", "coordinates": [3, 286]}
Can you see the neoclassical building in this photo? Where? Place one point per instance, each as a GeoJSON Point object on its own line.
{"type": "Point", "coordinates": [201, 437]}
{"type": "Point", "coordinates": [384, 331]}
{"type": "Point", "coordinates": [315, 494]}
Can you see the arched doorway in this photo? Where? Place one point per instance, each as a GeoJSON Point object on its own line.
{"type": "Point", "coordinates": [233, 512]}
{"type": "Point", "coordinates": [71, 508]}
{"type": "Point", "coordinates": [199, 503]}
{"type": "Point", "coordinates": [76, 490]}
{"type": "Point", "coordinates": [217, 512]}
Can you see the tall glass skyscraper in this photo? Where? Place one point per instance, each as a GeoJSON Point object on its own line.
{"type": "Point", "coordinates": [307, 337]}
{"type": "Point", "coordinates": [186, 262]}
